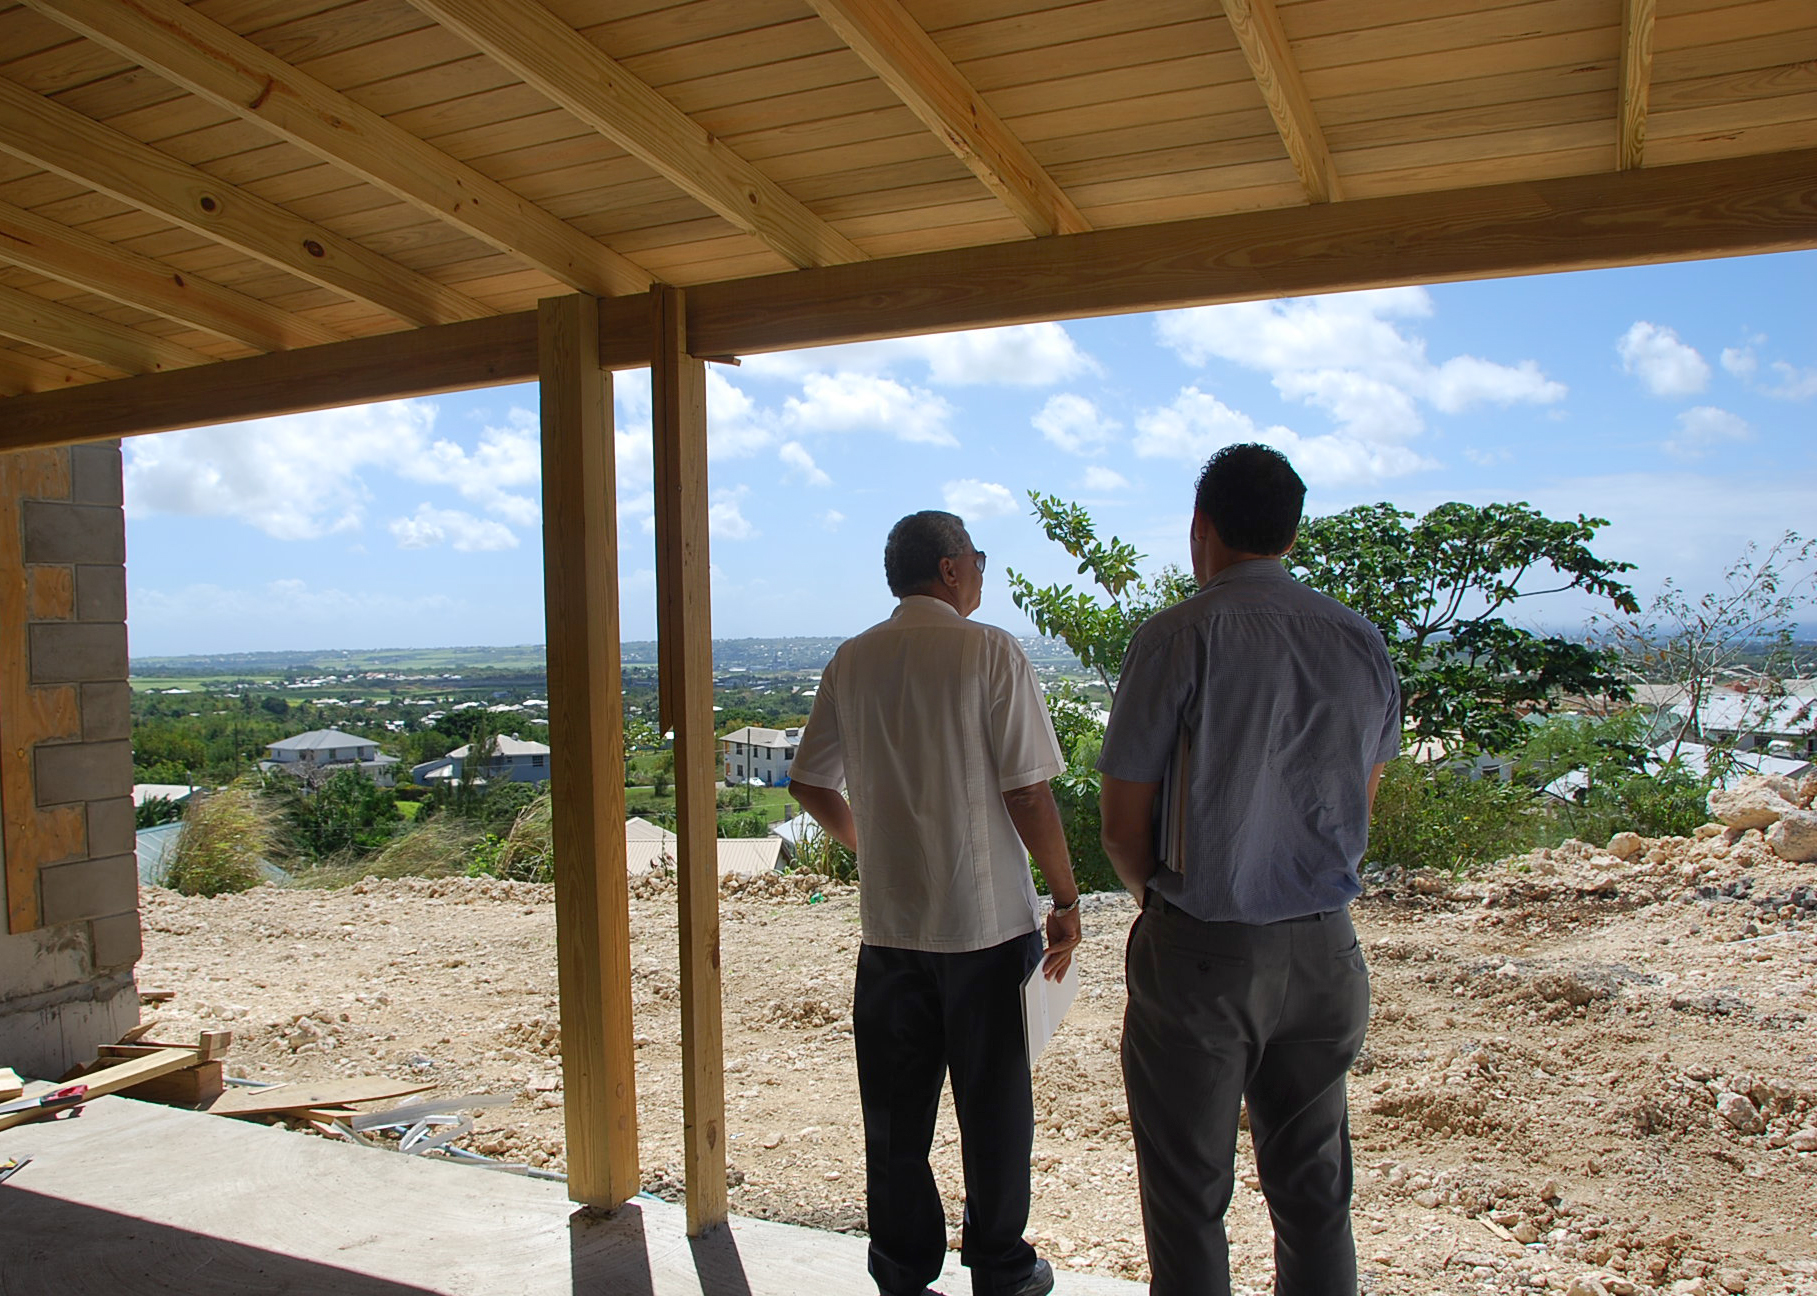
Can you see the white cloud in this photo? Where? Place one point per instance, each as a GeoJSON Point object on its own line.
{"type": "Point", "coordinates": [1794, 383]}
{"type": "Point", "coordinates": [801, 464]}
{"type": "Point", "coordinates": [1196, 424]}
{"type": "Point", "coordinates": [1488, 458]}
{"type": "Point", "coordinates": [1075, 424]}
{"type": "Point", "coordinates": [972, 499]}
{"type": "Point", "coordinates": [295, 477]}
{"type": "Point", "coordinates": [1020, 355]}
{"type": "Point", "coordinates": [849, 402]}
{"type": "Point", "coordinates": [286, 612]}
{"type": "Point", "coordinates": [1664, 365]}
{"type": "Point", "coordinates": [832, 519]}
{"type": "Point", "coordinates": [1704, 427]}
{"type": "Point", "coordinates": [1740, 362]}
{"type": "Point", "coordinates": [726, 519]}
{"type": "Point", "coordinates": [506, 457]}
{"type": "Point", "coordinates": [430, 526]}
{"type": "Point", "coordinates": [1099, 478]}
{"type": "Point", "coordinates": [735, 426]}
{"type": "Point", "coordinates": [1345, 354]}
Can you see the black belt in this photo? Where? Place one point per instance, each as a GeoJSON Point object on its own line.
{"type": "Point", "coordinates": [1157, 900]}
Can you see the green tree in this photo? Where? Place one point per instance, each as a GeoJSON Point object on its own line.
{"type": "Point", "coordinates": [1095, 627]}
{"type": "Point", "coordinates": [346, 812]}
{"type": "Point", "coordinates": [1442, 590]}
{"type": "Point", "coordinates": [1739, 634]}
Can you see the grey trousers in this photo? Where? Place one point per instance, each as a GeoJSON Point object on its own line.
{"type": "Point", "coordinates": [1220, 1012]}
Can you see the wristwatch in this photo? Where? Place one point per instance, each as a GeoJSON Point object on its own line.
{"type": "Point", "coordinates": [1067, 908]}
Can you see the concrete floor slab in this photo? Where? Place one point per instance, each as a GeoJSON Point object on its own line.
{"type": "Point", "coordinates": [130, 1197]}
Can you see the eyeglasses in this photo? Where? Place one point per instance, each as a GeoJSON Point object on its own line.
{"type": "Point", "coordinates": [976, 553]}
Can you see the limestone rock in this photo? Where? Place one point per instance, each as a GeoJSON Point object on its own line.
{"type": "Point", "coordinates": [1590, 1284]}
{"type": "Point", "coordinates": [1794, 836]}
{"type": "Point", "coordinates": [1625, 845]}
{"type": "Point", "coordinates": [1739, 1110]}
{"type": "Point", "coordinates": [1805, 1140]}
{"type": "Point", "coordinates": [1752, 803]}
{"type": "Point", "coordinates": [1807, 791]}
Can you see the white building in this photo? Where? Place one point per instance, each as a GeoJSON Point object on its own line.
{"type": "Point", "coordinates": [320, 752]}
{"type": "Point", "coordinates": [761, 754]}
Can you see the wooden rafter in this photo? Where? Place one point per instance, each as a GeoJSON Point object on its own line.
{"type": "Point", "coordinates": [80, 149]}
{"type": "Point", "coordinates": [563, 65]}
{"type": "Point", "coordinates": [21, 374]}
{"type": "Point", "coordinates": [179, 43]}
{"type": "Point", "coordinates": [897, 48]}
{"type": "Point", "coordinates": [1733, 207]}
{"type": "Point", "coordinates": [1277, 74]}
{"type": "Point", "coordinates": [62, 328]}
{"type": "Point", "coordinates": [95, 265]}
{"type": "Point", "coordinates": [1636, 82]}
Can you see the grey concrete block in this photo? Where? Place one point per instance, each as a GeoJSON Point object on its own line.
{"type": "Point", "coordinates": [95, 473]}
{"type": "Point", "coordinates": [117, 941]}
{"type": "Point", "coordinates": [106, 711]}
{"type": "Point", "coordinates": [69, 652]}
{"type": "Point", "coordinates": [74, 533]}
{"type": "Point", "coordinates": [111, 826]}
{"type": "Point", "coordinates": [83, 772]}
{"type": "Point", "coordinates": [100, 593]}
{"type": "Point", "coordinates": [91, 888]}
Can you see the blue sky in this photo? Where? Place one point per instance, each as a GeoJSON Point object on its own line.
{"type": "Point", "coordinates": [1675, 401]}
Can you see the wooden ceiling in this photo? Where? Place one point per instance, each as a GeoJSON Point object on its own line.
{"type": "Point", "coordinates": [183, 184]}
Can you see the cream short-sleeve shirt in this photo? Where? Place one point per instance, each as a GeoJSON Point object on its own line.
{"type": "Point", "coordinates": [927, 719]}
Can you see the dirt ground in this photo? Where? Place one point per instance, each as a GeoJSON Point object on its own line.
{"type": "Point", "coordinates": [1581, 1073]}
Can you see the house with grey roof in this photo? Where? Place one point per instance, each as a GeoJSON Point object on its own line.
{"type": "Point", "coordinates": [313, 756]}
{"type": "Point", "coordinates": [512, 759]}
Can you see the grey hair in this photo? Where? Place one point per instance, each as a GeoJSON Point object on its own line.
{"type": "Point", "coordinates": [916, 544]}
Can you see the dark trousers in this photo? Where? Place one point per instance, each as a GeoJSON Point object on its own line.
{"type": "Point", "coordinates": [1219, 1013]}
{"type": "Point", "coordinates": [915, 1016]}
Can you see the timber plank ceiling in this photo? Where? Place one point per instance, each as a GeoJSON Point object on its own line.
{"type": "Point", "coordinates": [188, 183]}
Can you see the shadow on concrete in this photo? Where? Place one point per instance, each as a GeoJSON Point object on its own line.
{"type": "Point", "coordinates": [608, 1253]}
{"type": "Point", "coordinates": [717, 1262]}
{"type": "Point", "coordinates": [53, 1247]}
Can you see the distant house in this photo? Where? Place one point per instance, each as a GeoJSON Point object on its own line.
{"type": "Point", "coordinates": [650, 848]}
{"type": "Point", "coordinates": [761, 754]}
{"type": "Point", "coordinates": [314, 755]}
{"type": "Point", "coordinates": [1783, 726]}
{"type": "Point", "coordinates": [513, 760]}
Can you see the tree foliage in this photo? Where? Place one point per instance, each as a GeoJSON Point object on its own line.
{"type": "Point", "coordinates": [1097, 627]}
{"type": "Point", "coordinates": [1441, 591]}
{"type": "Point", "coordinates": [1741, 634]}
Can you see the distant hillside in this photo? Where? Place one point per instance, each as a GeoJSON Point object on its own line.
{"type": "Point", "coordinates": [786, 654]}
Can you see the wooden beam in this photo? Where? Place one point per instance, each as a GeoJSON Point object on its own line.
{"type": "Point", "coordinates": [1636, 82]}
{"type": "Point", "coordinates": [558, 61]}
{"type": "Point", "coordinates": [97, 266]}
{"type": "Point", "coordinates": [180, 44]}
{"type": "Point", "coordinates": [592, 891]}
{"type": "Point", "coordinates": [57, 327]}
{"type": "Point", "coordinates": [79, 149]}
{"type": "Point", "coordinates": [684, 640]}
{"type": "Point", "coordinates": [899, 50]}
{"type": "Point", "coordinates": [1735, 207]}
{"type": "Point", "coordinates": [416, 362]}
{"type": "Point", "coordinates": [1277, 74]}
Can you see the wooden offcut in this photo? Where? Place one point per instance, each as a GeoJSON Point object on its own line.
{"type": "Point", "coordinates": [113, 1079]}
{"type": "Point", "coordinates": [592, 895]}
{"type": "Point", "coordinates": [684, 640]}
{"type": "Point", "coordinates": [311, 1095]}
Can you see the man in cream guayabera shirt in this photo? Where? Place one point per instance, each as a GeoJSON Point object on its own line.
{"type": "Point", "coordinates": [1245, 979]}
{"type": "Point", "coordinates": [936, 726]}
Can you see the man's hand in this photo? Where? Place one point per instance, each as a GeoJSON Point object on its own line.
{"type": "Point", "coordinates": [1063, 934]}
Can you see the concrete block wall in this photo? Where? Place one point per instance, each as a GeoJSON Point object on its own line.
{"type": "Point", "coordinates": [71, 935]}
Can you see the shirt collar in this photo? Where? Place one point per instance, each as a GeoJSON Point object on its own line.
{"type": "Point", "coordinates": [1248, 570]}
{"type": "Point", "coordinates": [925, 604]}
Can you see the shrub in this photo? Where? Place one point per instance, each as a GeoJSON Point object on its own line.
{"type": "Point", "coordinates": [346, 813]}
{"type": "Point", "coordinates": [223, 842]}
{"type": "Point", "coordinates": [818, 854]}
{"type": "Point", "coordinates": [1439, 819]}
{"type": "Point", "coordinates": [751, 823]}
{"type": "Point", "coordinates": [525, 853]}
{"type": "Point", "coordinates": [153, 811]}
{"type": "Point", "coordinates": [1076, 792]}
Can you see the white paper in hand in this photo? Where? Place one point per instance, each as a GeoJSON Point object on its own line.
{"type": "Point", "coordinates": [1044, 1003]}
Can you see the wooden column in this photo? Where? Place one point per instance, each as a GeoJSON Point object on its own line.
{"type": "Point", "coordinates": [678, 383]}
{"type": "Point", "coordinates": [592, 900]}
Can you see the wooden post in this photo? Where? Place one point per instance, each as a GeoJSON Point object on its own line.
{"type": "Point", "coordinates": [678, 383]}
{"type": "Point", "coordinates": [592, 899]}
